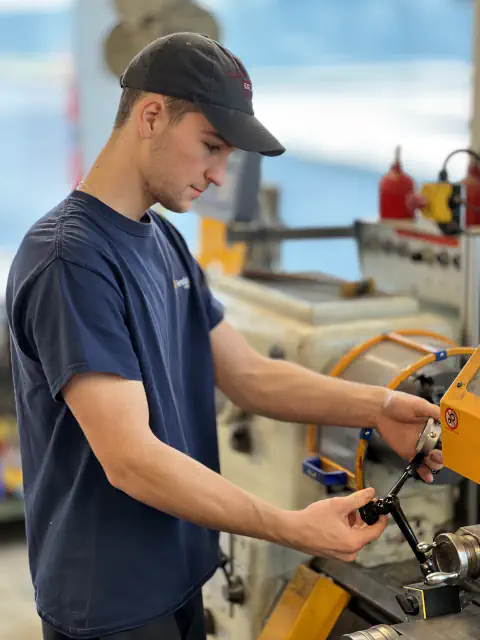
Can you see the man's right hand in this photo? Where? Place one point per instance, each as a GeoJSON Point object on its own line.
{"type": "Point", "coordinates": [333, 527]}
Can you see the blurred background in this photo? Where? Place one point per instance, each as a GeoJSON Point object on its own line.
{"type": "Point", "coordinates": [340, 83]}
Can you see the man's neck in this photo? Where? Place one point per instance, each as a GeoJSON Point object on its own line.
{"type": "Point", "coordinates": [114, 180]}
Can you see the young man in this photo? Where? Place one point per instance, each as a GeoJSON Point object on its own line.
{"type": "Point", "coordinates": [117, 345]}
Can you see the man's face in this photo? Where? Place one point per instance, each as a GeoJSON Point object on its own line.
{"type": "Point", "coordinates": [182, 159]}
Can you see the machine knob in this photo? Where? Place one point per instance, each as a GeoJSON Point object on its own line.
{"type": "Point", "coordinates": [409, 604]}
{"type": "Point", "coordinates": [276, 352]}
{"type": "Point", "coordinates": [234, 592]}
{"type": "Point", "coordinates": [241, 438]}
{"type": "Point", "coordinates": [440, 577]}
{"type": "Point", "coordinates": [210, 627]}
{"type": "Point", "coordinates": [443, 258]}
{"type": "Point", "coordinates": [425, 547]}
{"type": "Point", "coordinates": [429, 256]}
{"type": "Point", "coordinates": [369, 513]}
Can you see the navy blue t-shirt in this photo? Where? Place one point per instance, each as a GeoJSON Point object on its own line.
{"type": "Point", "coordinates": [90, 290]}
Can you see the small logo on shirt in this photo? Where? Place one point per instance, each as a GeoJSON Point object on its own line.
{"type": "Point", "coordinates": [182, 283]}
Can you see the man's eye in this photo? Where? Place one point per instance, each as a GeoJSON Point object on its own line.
{"type": "Point", "coordinates": [212, 147]}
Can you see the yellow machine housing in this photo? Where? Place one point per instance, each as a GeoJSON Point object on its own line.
{"type": "Point", "coordinates": [460, 418]}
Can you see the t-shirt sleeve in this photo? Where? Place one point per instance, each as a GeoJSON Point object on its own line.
{"type": "Point", "coordinates": [75, 322]}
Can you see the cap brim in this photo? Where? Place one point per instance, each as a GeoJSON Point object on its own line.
{"type": "Point", "coordinates": [241, 130]}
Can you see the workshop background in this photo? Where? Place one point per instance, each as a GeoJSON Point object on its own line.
{"type": "Point", "coordinates": [341, 83]}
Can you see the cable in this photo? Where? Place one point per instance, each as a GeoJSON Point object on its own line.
{"type": "Point", "coordinates": [443, 175]}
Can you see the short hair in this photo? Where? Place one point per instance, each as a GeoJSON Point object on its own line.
{"type": "Point", "coordinates": [177, 108]}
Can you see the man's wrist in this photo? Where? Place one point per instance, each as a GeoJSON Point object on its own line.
{"type": "Point", "coordinates": [381, 399]}
{"type": "Point", "coordinates": [288, 530]}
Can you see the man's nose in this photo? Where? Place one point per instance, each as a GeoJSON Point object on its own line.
{"type": "Point", "coordinates": [216, 173]}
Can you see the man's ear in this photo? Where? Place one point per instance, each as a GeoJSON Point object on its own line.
{"type": "Point", "coordinates": [151, 115]}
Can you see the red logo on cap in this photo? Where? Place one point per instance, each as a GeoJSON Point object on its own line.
{"type": "Point", "coordinates": [246, 82]}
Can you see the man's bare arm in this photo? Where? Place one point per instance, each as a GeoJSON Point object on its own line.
{"type": "Point", "coordinates": [286, 391]}
{"type": "Point", "coordinates": [113, 414]}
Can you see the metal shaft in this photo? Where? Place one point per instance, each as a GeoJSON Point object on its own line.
{"type": "Point", "coordinates": [404, 526]}
{"type": "Point", "coordinates": [401, 481]}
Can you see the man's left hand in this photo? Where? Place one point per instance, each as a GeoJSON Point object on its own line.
{"type": "Point", "coordinates": [400, 423]}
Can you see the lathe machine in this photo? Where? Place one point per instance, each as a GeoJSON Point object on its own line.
{"type": "Point", "coordinates": [413, 330]}
{"type": "Point", "coordinates": [446, 602]}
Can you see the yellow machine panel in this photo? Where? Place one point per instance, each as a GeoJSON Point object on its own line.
{"type": "Point", "coordinates": [460, 418]}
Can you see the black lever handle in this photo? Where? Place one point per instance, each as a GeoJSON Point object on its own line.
{"type": "Point", "coordinates": [390, 505]}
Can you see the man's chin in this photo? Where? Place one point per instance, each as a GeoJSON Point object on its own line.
{"type": "Point", "coordinates": [182, 208]}
{"type": "Point", "coordinates": [176, 207]}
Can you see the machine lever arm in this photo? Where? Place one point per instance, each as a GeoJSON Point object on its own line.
{"type": "Point", "coordinates": [390, 505]}
{"type": "Point", "coordinates": [404, 526]}
{"type": "Point", "coordinates": [408, 473]}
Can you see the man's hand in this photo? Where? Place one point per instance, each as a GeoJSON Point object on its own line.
{"type": "Point", "coordinates": [400, 423]}
{"type": "Point", "coordinates": [333, 528]}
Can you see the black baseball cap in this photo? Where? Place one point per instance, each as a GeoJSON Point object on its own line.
{"type": "Point", "coordinates": [196, 68]}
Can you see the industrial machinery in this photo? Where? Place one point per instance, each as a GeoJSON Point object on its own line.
{"type": "Point", "coordinates": [405, 331]}
{"type": "Point", "coordinates": [403, 326]}
{"type": "Point", "coordinates": [376, 338]}
{"type": "Point", "coordinates": [446, 602]}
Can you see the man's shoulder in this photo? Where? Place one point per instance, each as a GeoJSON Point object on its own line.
{"type": "Point", "coordinates": [37, 247]}
{"type": "Point", "coordinates": [65, 232]}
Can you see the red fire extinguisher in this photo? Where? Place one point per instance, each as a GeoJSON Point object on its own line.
{"type": "Point", "coordinates": [395, 188]}
{"type": "Point", "coordinates": [472, 189]}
